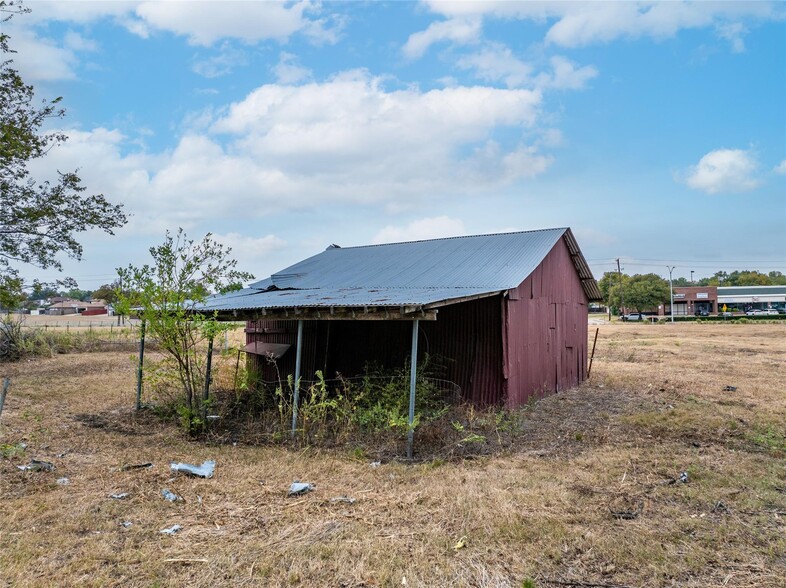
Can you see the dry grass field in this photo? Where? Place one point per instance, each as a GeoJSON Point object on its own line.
{"type": "Point", "coordinates": [589, 495]}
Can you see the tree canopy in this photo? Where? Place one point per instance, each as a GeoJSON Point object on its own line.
{"type": "Point", "coordinates": [39, 219]}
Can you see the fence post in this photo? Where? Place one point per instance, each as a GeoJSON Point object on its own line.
{"type": "Point", "coordinates": [208, 377]}
{"type": "Point", "coordinates": [413, 370]}
{"type": "Point", "coordinates": [139, 369]}
{"type": "Point", "coordinates": [6, 384]}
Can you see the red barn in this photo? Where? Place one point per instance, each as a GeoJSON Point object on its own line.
{"type": "Point", "coordinates": [505, 313]}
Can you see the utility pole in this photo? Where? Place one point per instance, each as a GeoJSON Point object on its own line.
{"type": "Point", "coordinates": [622, 290]}
{"type": "Point", "coordinates": [671, 291]}
{"type": "Point", "coordinates": [691, 277]}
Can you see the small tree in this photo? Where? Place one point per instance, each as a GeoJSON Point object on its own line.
{"type": "Point", "coordinates": [646, 291]}
{"type": "Point", "coordinates": [167, 294]}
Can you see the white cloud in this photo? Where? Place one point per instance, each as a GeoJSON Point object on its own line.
{"type": "Point", "coordinates": [457, 30]}
{"type": "Point", "coordinates": [248, 251]}
{"type": "Point", "coordinates": [76, 42]}
{"type": "Point", "coordinates": [566, 76]}
{"type": "Point", "coordinates": [496, 63]}
{"type": "Point", "coordinates": [227, 59]}
{"type": "Point", "coordinates": [289, 71]}
{"type": "Point", "coordinates": [583, 23]}
{"type": "Point", "coordinates": [282, 148]}
{"type": "Point", "coordinates": [780, 168]}
{"type": "Point", "coordinates": [425, 228]}
{"type": "Point", "coordinates": [724, 170]}
{"type": "Point", "coordinates": [40, 59]}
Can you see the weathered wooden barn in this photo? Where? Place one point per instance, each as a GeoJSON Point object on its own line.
{"type": "Point", "coordinates": [505, 313]}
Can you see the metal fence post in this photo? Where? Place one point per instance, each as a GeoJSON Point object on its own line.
{"type": "Point", "coordinates": [296, 391]}
{"type": "Point", "coordinates": [413, 371]}
{"type": "Point", "coordinates": [139, 369]}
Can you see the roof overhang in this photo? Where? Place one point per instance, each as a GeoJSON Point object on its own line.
{"type": "Point", "coordinates": [588, 282]}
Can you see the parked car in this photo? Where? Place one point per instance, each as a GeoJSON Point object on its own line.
{"type": "Point", "coordinates": [702, 312]}
{"type": "Point", "coordinates": [634, 316]}
{"type": "Point", "coordinates": [755, 312]}
{"type": "Point", "coordinates": [771, 311]}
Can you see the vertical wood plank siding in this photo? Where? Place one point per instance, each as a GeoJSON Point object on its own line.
{"type": "Point", "coordinates": [545, 321]}
{"type": "Point", "coordinates": [500, 349]}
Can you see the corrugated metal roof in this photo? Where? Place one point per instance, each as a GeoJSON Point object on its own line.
{"type": "Point", "coordinates": [410, 273]}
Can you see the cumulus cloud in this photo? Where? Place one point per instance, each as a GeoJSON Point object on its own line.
{"type": "Point", "coordinates": [283, 147]}
{"type": "Point", "coordinates": [780, 168]}
{"type": "Point", "coordinates": [424, 228]}
{"type": "Point", "coordinates": [38, 58]}
{"type": "Point", "coordinates": [457, 30]}
{"type": "Point", "coordinates": [289, 71]}
{"type": "Point", "coordinates": [496, 63]}
{"type": "Point", "coordinates": [724, 170]}
{"type": "Point", "coordinates": [248, 251]}
{"type": "Point", "coordinates": [583, 23]}
{"type": "Point", "coordinates": [566, 76]}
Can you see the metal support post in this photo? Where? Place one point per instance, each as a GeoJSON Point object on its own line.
{"type": "Point", "coordinates": [296, 391]}
{"type": "Point", "coordinates": [413, 372]}
{"type": "Point", "coordinates": [671, 291]}
{"type": "Point", "coordinates": [208, 378]}
{"type": "Point", "coordinates": [139, 369]}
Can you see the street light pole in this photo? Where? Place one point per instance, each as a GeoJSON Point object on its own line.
{"type": "Point", "coordinates": [671, 291]}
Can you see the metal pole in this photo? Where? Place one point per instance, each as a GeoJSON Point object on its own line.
{"type": "Point", "coordinates": [589, 369]}
{"type": "Point", "coordinates": [671, 291]}
{"type": "Point", "coordinates": [208, 378]}
{"type": "Point", "coordinates": [622, 290]}
{"type": "Point", "coordinates": [6, 385]}
{"type": "Point", "coordinates": [296, 392]}
{"type": "Point", "coordinates": [139, 369]}
{"type": "Point", "coordinates": [413, 372]}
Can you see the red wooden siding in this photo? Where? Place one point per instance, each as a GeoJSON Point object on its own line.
{"type": "Point", "coordinates": [545, 330]}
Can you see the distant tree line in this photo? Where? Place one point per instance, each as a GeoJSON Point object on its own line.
{"type": "Point", "coordinates": [645, 292]}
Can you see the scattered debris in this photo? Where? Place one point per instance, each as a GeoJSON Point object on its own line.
{"type": "Point", "coordinates": [37, 466]}
{"type": "Point", "coordinates": [298, 488]}
{"type": "Point", "coordinates": [213, 417]}
{"type": "Point", "coordinates": [345, 499]}
{"type": "Point", "coordinates": [375, 464]}
{"type": "Point", "coordinates": [730, 388]}
{"type": "Point", "coordinates": [171, 530]}
{"type": "Point", "coordinates": [136, 466]}
{"type": "Point", "coordinates": [63, 481]}
{"type": "Point", "coordinates": [204, 471]}
{"type": "Point", "coordinates": [682, 478]}
{"type": "Point", "coordinates": [126, 524]}
{"type": "Point", "coordinates": [120, 496]}
{"type": "Point", "coordinates": [720, 507]}
{"type": "Point", "coordinates": [461, 543]}
{"type": "Point", "coordinates": [170, 496]}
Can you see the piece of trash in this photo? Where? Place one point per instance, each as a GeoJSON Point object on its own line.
{"type": "Point", "coordinates": [171, 530]}
{"type": "Point", "coordinates": [170, 496]}
{"type": "Point", "coordinates": [37, 466]}
{"type": "Point", "coordinates": [203, 471]}
{"type": "Point", "coordinates": [62, 455]}
{"type": "Point", "coordinates": [684, 477]}
{"type": "Point", "coordinates": [461, 543]}
{"type": "Point", "coordinates": [720, 507]}
{"type": "Point", "coordinates": [120, 496]}
{"type": "Point", "coordinates": [298, 488]}
{"type": "Point", "coordinates": [345, 499]}
{"type": "Point", "coordinates": [63, 481]}
{"type": "Point", "coordinates": [213, 417]}
{"type": "Point", "coordinates": [730, 388]}
{"type": "Point", "coordinates": [375, 464]}
{"type": "Point", "coordinates": [126, 524]}
{"type": "Point", "coordinates": [136, 466]}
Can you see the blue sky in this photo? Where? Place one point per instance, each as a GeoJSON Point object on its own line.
{"type": "Point", "coordinates": [656, 131]}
